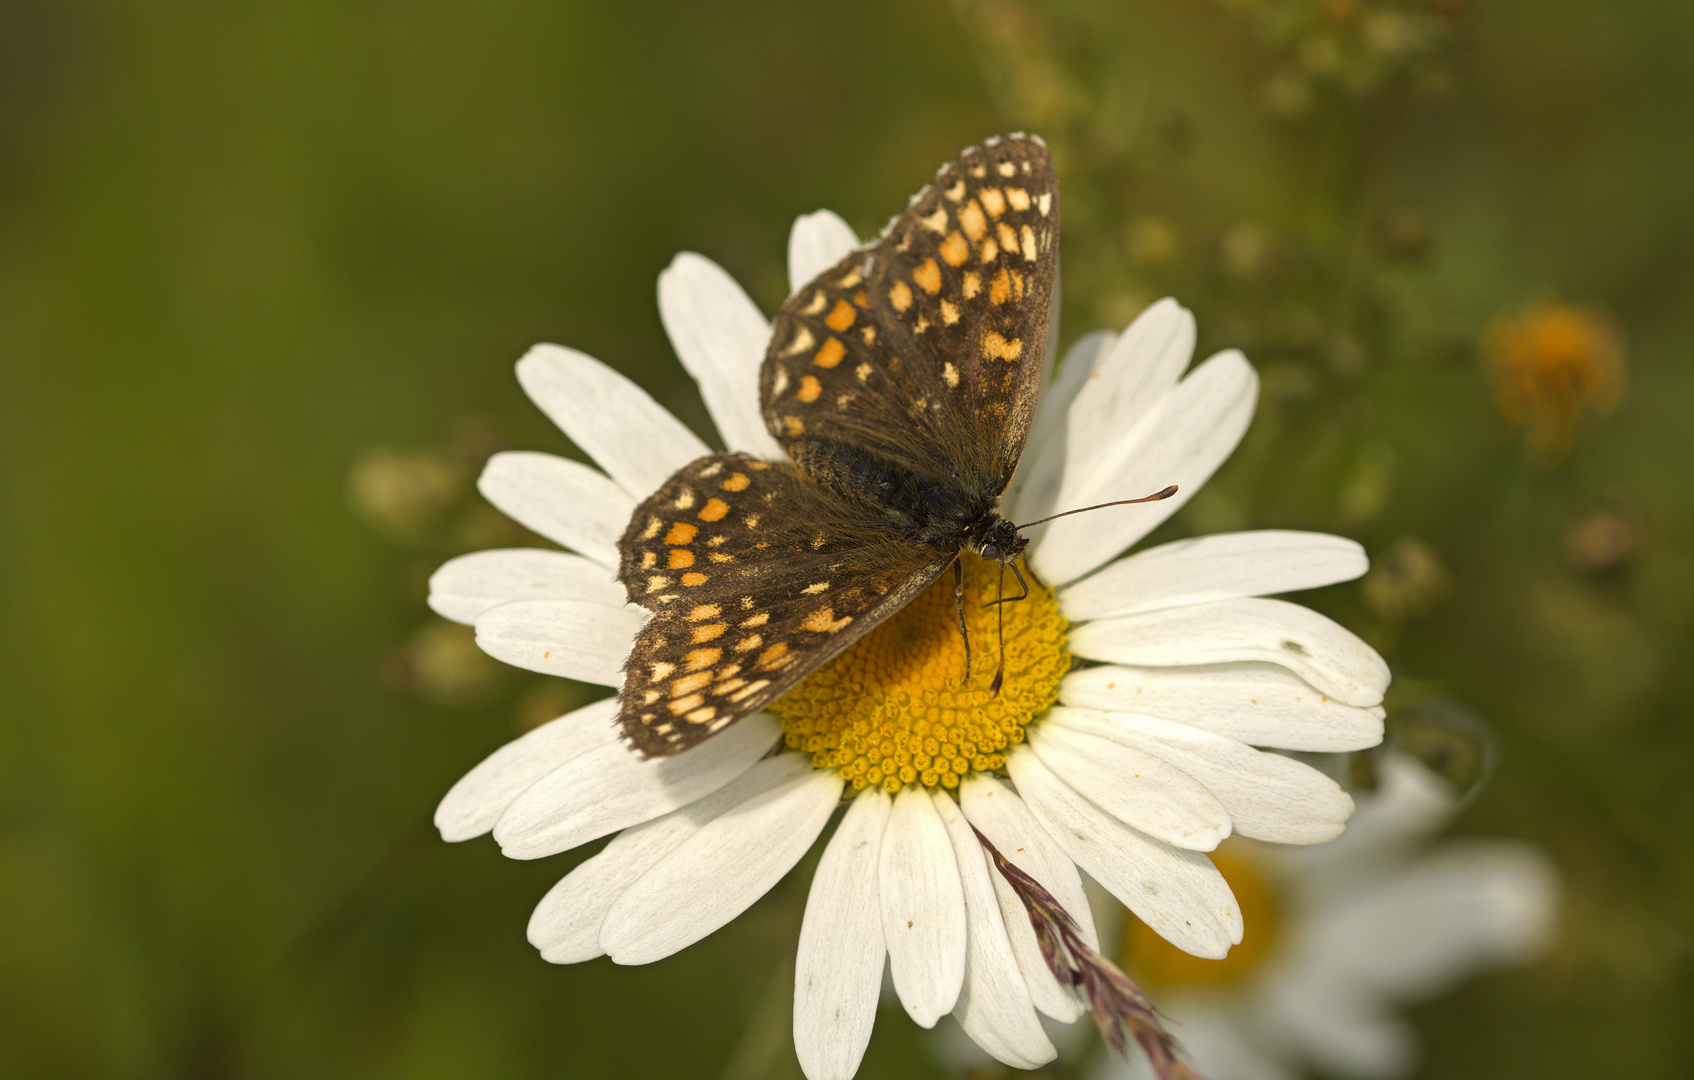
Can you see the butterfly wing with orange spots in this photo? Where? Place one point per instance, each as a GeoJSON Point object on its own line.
{"type": "Point", "coordinates": [756, 577]}
{"type": "Point", "coordinates": [924, 348]}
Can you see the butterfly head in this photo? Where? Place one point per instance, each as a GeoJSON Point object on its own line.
{"type": "Point", "coordinates": [1000, 541]}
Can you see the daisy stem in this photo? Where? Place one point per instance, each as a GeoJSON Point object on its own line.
{"type": "Point", "coordinates": [1119, 1007]}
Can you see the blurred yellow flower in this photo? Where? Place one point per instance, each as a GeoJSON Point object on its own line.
{"type": "Point", "coordinates": [1551, 364]}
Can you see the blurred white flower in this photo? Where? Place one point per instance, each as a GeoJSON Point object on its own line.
{"type": "Point", "coordinates": [1341, 935]}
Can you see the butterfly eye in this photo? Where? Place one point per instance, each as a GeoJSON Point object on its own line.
{"type": "Point", "coordinates": [991, 551]}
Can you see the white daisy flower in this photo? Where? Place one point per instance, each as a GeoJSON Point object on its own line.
{"type": "Point", "coordinates": [1129, 770]}
{"type": "Point", "coordinates": [1342, 934]}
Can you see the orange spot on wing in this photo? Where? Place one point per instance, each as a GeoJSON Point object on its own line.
{"type": "Point", "coordinates": [972, 221]}
{"type": "Point", "coordinates": [900, 296]}
{"type": "Point", "coordinates": [809, 390]}
{"type": "Point", "coordinates": [830, 354]}
{"type": "Point", "coordinates": [699, 659]}
{"type": "Point", "coordinates": [954, 249]}
{"type": "Point", "coordinates": [996, 347]}
{"type": "Point", "coordinates": [841, 316]}
{"type": "Point", "coordinates": [681, 559]}
{"type": "Point", "coordinates": [736, 482]}
{"type": "Point", "coordinates": [1000, 289]}
{"type": "Point", "coordinates": [992, 201]}
{"type": "Point", "coordinates": [693, 578]}
{"type": "Point", "coordinates": [714, 510]}
{"type": "Point", "coordinates": [681, 533]}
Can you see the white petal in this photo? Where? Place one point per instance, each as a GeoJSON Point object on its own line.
{"type": "Point", "coordinates": [476, 802]}
{"type": "Point", "coordinates": [720, 337]}
{"type": "Point", "coordinates": [1181, 440]}
{"type": "Point", "coordinates": [817, 242]}
{"type": "Point", "coordinates": [1312, 646]}
{"type": "Point", "coordinates": [923, 908]}
{"type": "Point", "coordinates": [569, 638]}
{"type": "Point", "coordinates": [1179, 894]}
{"type": "Point", "coordinates": [1127, 376]}
{"type": "Point", "coordinates": [995, 809]}
{"type": "Point", "coordinates": [1259, 704]}
{"type": "Point", "coordinates": [994, 1006]}
{"type": "Point", "coordinates": [471, 584]}
{"type": "Point", "coordinates": [838, 968]}
{"type": "Point", "coordinates": [1469, 906]}
{"type": "Point", "coordinates": [610, 788]}
{"type": "Point", "coordinates": [566, 924]}
{"type": "Point", "coordinates": [1222, 567]}
{"type": "Point", "coordinates": [1219, 1041]}
{"type": "Point", "coordinates": [615, 422]}
{"type": "Point", "coordinates": [1135, 787]}
{"type": "Point", "coordinates": [563, 500]}
{"type": "Point", "coordinates": [719, 872]}
{"type": "Point", "coordinates": [1036, 484]}
{"type": "Point", "coordinates": [1268, 796]}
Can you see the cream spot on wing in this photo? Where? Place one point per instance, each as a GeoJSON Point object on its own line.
{"type": "Point", "coordinates": [749, 690]}
{"type": "Point", "coordinates": [949, 312]}
{"type": "Point", "coordinates": [922, 324]}
{"type": "Point", "coordinates": [996, 347]}
{"type": "Point", "coordinates": [992, 201]}
{"type": "Point", "coordinates": [978, 171]}
{"type": "Point", "coordinates": [830, 354]}
{"type": "Point", "coordinates": [957, 191]}
{"type": "Point", "coordinates": [1000, 289]}
{"type": "Point", "coordinates": [690, 684]}
{"type": "Point", "coordinates": [863, 372]}
{"type": "Point", "coordinates": [657, 582]}
{"type": "Point", "coordinates": [823, 621]}
{"type": "Point", "coordinates": [720, 557]}
{"type": "Point", "coordinates": [652, 528]}
{"type": "Point", "coordinates": [990, 250]}
{"type": "Point", "coordinates": [972, 221]}
{"type": "Point", "coordinates": [708, 632]}
{"type": "Point", "coordinates": [709, 470]}
{"type": "Point", "coordinates": [772, 657]}
{"type": "Point", "coordinates": [687, 704]}
{"type": "Point", "coordinates": [716, 541]}
{"type": "Point", "coordinates": [752, 522]}
{"type": "Point", "coordinates": [749, 643]}
{"type": "Point", "coordinates": [1018, 197]}
{"type": "Point", "coordinates": [649, 560]}
{"type": "Point", "coordinates": [1028, 244]}
{"type": "Point", "coordinates": [702, 714]}
{"type": "Point", "coordinates": [662, 671]}
{"type": "Point", "coordinates": [1007, 169]}
{"type": "Point", "coordinates": [972, 284]}
{"type": "Point", "coordinates": [648, 697]}
{"type": "Point", "coordinates": [779, 380]}
{"type": "Point", "coordinates": [954, 250]}
{"type": "Point", "coordinates": [950, 373]}
{"type": "Point", "coordinates": [816, 305]}
{"type": "Point", "coordinates": [850, 278]}
{"type": "Point", "coordinates": [809, 390]}
{"type": "Point", "coordinates": [801, 341]}
{"type": "Point", "coordinates": [815, 588]}
{"type": "Point", "coordinates": [1044, 203]}
{"type": "Point", "coordinates": [1008, 237]}
{"type": "Point", "coordinates": [793, 426]}
{"type": "Point", "coordinates": [704, 611]}
{"type": "Point", "coordinates": [751, 621]}
{"type": "Point", "coordinates": [936, 222]}
{"type": "Point", "coordinates": [841, 316]}
{"type": "Point", "coordinates": [841, 400]}
{"type": "Point", "coordinates": [928, 277]}
{"type": "Point", "coordinates": [900, 296]}
{"type": "Point", "coordinates": [868, 333]}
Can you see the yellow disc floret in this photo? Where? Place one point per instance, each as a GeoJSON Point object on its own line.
{"type": "Point", "coordinates": [895, 708]}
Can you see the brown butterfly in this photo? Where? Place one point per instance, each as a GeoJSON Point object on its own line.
{"type": "Point", "coordinates": [901, 382]}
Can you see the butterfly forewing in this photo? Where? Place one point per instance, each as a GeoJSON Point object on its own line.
{"type": "Point", "coordinates": [925, 347]}
{"type": "Point", "coordinates": [755, 577]}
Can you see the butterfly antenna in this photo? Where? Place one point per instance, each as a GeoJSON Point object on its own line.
{"type": "Point", "coordinates": [1000, 608]}
{"type": "Point", "coordinates": [959, 601]}
{"type": "Point", "coordinates": [1155, 497]}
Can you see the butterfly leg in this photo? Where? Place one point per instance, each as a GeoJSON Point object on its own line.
{"type": "Point", "coordinates": [959, 601]}
{"type": "Point", "coordinates": [1021, 584]}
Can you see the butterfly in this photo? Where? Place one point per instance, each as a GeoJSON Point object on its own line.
{"type": "Point", "coordinates": [901, 382]}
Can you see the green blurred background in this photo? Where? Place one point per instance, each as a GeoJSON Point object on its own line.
{"type": "Point", "coordinates": [264, 270]}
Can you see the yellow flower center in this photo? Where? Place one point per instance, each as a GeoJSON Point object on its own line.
{"type": "Point", "coordinates": [895, 708]}
{"type": "Point", "coordinates": [1155, 962]}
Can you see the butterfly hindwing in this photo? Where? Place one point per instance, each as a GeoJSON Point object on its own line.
{"type": "Point", "coordinates": [755, 578]}
{"type": "Point", "coordinates": [925, 347]}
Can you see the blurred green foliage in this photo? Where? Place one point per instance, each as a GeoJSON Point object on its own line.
{"type": "Point", "coordinates": [256, 259]}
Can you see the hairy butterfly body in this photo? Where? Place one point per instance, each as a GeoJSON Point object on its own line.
{"type": "Point", "coordinates": [901, 382]}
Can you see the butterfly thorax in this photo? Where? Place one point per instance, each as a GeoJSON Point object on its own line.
{"type": "Point", "coordinates": [946, 512]}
